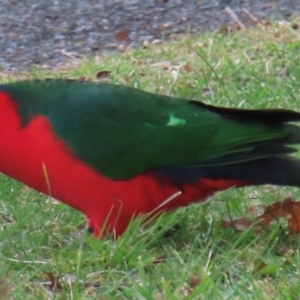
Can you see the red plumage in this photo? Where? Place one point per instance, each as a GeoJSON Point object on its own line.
{"type": "Point", "coordinates": [35, 156]}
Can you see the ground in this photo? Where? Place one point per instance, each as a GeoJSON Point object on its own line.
{"type": "Point", "coordinates": [50, 33]}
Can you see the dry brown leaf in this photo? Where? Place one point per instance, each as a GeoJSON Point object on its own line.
{"type": "Point", "coordinates": [295, 26]}
{"type": "Point", "coordinates": [259, 265]}
{"type": "Point", "coordinates": [122, 36]}
{"type": "Point", "coordinates": [194, 281]}
{"type": "Point", "coordinates": [252, 210]}
{"type": "Point", "coordinates": [54, 284]}
{"type": "Point", "coordinates": [267, 5]}
{"type": "Point", "coordinates": [84, 78]}
{"type": "Point", "coordinates": [158, 260]}
{"type": "Point", "coordinates": [103, 74]}
{"type": "Point", "coordinates": [139, 62]}
{"type": "Point", "coordinates": [187, 289]}
{"type": "Point", "coordinates": [5, 288]}
{"type": "Point", "coordinates": [205, 91]}
{"type": "Point", "coordinates": [287, 209]}
{"type": "Point", "coordinates": [268, 23]}
{"type": "Point", "coordinates": [6, 218]}
{"type": "Point", "coordinates": [186, 67]}
{"type": "Point", "coordinates": [127, 80]}
{"type": "Point", "coordinates": [224, 30]}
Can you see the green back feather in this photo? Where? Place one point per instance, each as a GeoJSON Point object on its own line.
{"type": "Point", "coordinates": [122, 132]}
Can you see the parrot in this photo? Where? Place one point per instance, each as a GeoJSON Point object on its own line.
{"type": "Point", "coordinates": [115, 153]}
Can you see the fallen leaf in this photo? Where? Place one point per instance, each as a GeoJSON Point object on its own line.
{"type": "Point", "coordinates": [5, 288]}
{"type": "Point", "coordinates": [139, 62]}
{"type": "Point", "coordinates": [265, 269]}
{"type": "Point", "coordinates": [187, 289]}
{"type": "Point", "coordinates": [54, 283]}
{"type": "Point", "coordinates": [103, 74]}
{"type": "Point", "coordinates": [236, 27]}
{"type": "Point", "coordinates": [267, 5]}
{"type": "Point", "coordinates": [205, 91]}
{"type": "Point", "coordinates": [252, 210]}
{"type": "Point", "coordinates": [287, 209]}
{"type": "Point", "coordinates": [83, 78]}
{"type": "Point", "coordinates": [268, 23]}
{"type": "Point", "coordinates": [127, 80]}
{"type": "Point", "coordinates": [259, 265]}
{"type": "Point", "coordinates": [6, 218]}
{"type": "Point", "coordinates": [158, 260]}
{"type": "Point", "coordinates": [194, 281]}
{"type": "Point", "coordinates": [224, 30]}
{"type": "Point", "coordinates": [186, 67]}
{"type": "Point", "coordinates": [122, 36]}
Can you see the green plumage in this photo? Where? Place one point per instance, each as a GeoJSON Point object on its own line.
{"type": "Point", "coordinates": [122, 132]}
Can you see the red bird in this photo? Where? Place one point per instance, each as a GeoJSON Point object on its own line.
{"type": "Point", "coordinates": [114, 152]}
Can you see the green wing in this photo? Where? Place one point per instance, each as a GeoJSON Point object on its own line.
{"type": "Point", "coordinates": [122, 132]}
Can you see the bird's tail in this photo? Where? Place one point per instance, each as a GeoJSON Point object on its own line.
{"type": "Point", "coordinates": [283, 170]}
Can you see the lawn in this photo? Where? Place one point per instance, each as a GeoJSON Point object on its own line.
{"type": "Point", "coordinates": [187, 254]}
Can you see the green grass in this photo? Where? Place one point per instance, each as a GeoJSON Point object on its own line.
{"type": "Point", "coordinates": [257, 68]}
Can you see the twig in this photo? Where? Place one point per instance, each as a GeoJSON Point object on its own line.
{"type": "Point", "coordinates": [25, 261]}
{"type": "Point", "coordinates": [255, 20]}
{"type": "Point", "coordinates": [235, 17]}
{"type": "Point", "coordinates": [71, 55]}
